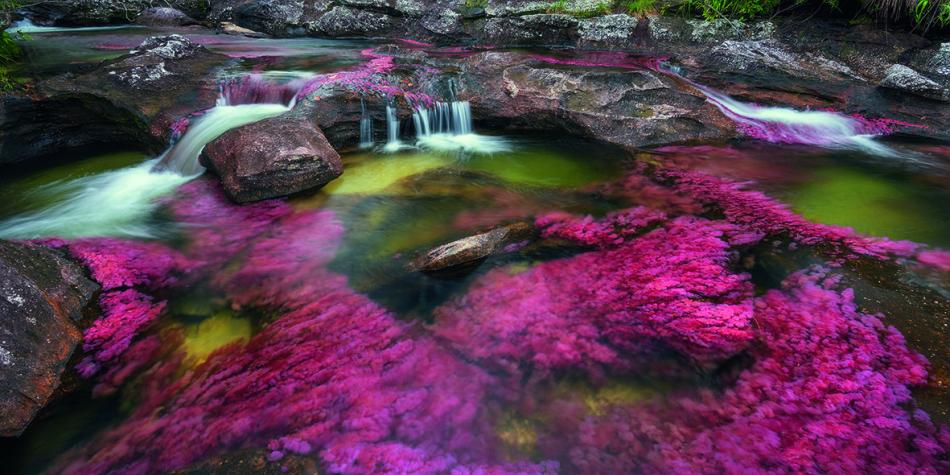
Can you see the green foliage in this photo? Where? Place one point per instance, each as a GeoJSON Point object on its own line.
{"type": "Point", "coordinates": [737, 9]}
{"type": "Point", "coordinates": [562, 6]}
{"type": "Point", "coordinates": [476, 3]}
{"type": "Point", "coordinates": [640, 7]}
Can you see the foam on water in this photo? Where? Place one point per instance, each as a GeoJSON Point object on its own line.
{"type": "Point", "coordinates": [786, 125]}
{"type": "Point", "coordinates": [119, 202]}
{"type": "Point", "coordinates": [27, 26]}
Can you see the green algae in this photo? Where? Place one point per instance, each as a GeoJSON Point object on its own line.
{"type": "Point", "coordinates": [216, 331]}
{"type": "Point", "coordinates": [377, 174]}
{"type": "Point", "coordinates": [544, 168]}
{"type": "Point", "coordinates": [871, 204]}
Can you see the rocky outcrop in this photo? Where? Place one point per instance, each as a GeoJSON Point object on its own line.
{"type": "Point", "coordinates": [626, 107]}
{"type": "Point", "coordinates": [42, 296]}
{"type": "Point", "coordinates": [164, 16]}
{"type": "Point", "coordinates": [467, 252]}
{"type": "Point", "coordinates": [270, 158]}
{"type": "Point", "coordinates": [905, 79]}
{"type": "Point", "coordinates": [540, 29]}
{"type": "Point", "coordinates": [349, 22]}
{"type": "Point", "coordinates": [609, 31]}
{"type": "Point", "coordinates": [127, 102]}
{"type": "Point", "coordinates": [100, 12]}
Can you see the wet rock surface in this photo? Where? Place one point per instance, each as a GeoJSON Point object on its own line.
{"type": "Point", "coordinates": [905, 79]}
{"type": "Point", "coordinates": [42, 296]}
{"type": "Point", "coordinates": [273, 157]}
{"type": "Point", "coordinates": [629, 108]}
{"type": "Point", "coordinates": [127, 102]}
{"type": "Point", "coordinates": [100, 12]}
{"type": "Point", "coordinates": [470, 251]}
{"type": "Point", "coordinates": [164, 16]}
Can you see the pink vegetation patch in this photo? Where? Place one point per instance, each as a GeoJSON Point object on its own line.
{"type": "Point", "coordinates": [823, 396]}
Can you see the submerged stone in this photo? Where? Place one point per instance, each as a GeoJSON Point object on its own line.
{"type": "Point", "coordinates": [471, 250]}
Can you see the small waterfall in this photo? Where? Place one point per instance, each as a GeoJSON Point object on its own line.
{"type": "Point", "coordinates": [366, 126]}
{"type": "Point", "coordinates": [447, 127]}
{"type": "Point", "coordinates": [393, 144]}
{"type": "Point", "coordinates": [785, 125]}
{"type": "Point", "coordinates": [119, 202]}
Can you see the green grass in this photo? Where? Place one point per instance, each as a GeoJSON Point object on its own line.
{"type": "Point", "coordinates": [640, 7]}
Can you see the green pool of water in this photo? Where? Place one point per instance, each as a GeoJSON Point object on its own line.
{"type": "Point", "coordinates": [871, 203]}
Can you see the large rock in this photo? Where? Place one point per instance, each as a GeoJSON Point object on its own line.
{"type": "Point", "coordinates": [130, 101]}
{"type": "Point", "coordinates": [905, 79]}
{"type": "Point", "coordinates": [609, 31]}
{"type": "Point", "coordinates": [469, 251]}
{"type": "Point", "coordinates": [42, 296]}
{"type": "Point", "coordinates": [273, 157]}
{"type": "Point", "coordinates": [100, 12]}
{"type": "Point", "coordinates": [626, 107]}
{"type": "Point", "coordinates": [164, 16]}
{"type": "Point", "coordinates": [540, 29]}
{"type": "Point", "coordinates": [347, 22]}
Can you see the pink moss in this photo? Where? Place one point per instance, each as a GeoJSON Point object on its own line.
{"type": "Point", "coordinates": [759, 213]}
{"type": "Point", "coordinates": [125, 313]}
{"type": "Point", "coordinates": [824, 395]}
{"type": "Point", "coordinates": [668, 289]}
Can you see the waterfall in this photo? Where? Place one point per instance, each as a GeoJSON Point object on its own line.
{"type": "Point", "coordinates": [119, 202]}
{"type": "Point", "coordinates": [785, 125]}
{"type": "Point", "coordinates": [27, 26]}
{"type": "Point", "coordinates": [393, 144]}
{"type": "Point", "coordinates": [447, 127]}
{"type": "Point", "coordinates": [366, 126]}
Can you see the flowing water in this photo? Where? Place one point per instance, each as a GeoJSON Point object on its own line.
{"type": "Point", "coordinates": [287, 313]}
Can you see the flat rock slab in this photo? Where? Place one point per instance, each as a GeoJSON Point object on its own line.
{"type": "Point", "coordinates": [471, 250]}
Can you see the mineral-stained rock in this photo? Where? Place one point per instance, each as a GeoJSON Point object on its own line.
{"type": "Point", "coordinates": [343, 21]}
{"type": "Point", "coordinates": [164, 16]}
{"type": "Point", "coordinates": [471, 250]}
{"type": "Point", "coordinates": [905, 79]}
{"type": "Point", "coordinates": [621, 105]}
{"type": "Point", "coordinates": [42, 296]}
{"type": "Point", "coordinates": [541, 29]}
{"type": "Point", "coordinates": [608, 30]}
{"type": "Point", "coordinates": [273, 157]}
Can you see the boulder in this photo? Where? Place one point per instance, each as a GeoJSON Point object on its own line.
{"type": "Point", "coordinates": [609, 31]}
{"type": "Point", "coordinates": [100, 12]}
{"type": "Point", "coordinates": [42, 297]}
{"type": "Point", "coordinates": [274, 17]}
{"type": "Point", "coordinates": [621, 106]}
{"type": "Point", "coordinates": [540, 29]}
{"type": "Point", "coordinates": [469, 251]}
{"type": "Point", "coordinates": [164, 16]}
{"type": "Point", "coordinates": [350, 22]}
{"type": "Point", "coordinates": [273, 157]}
{"type": "Point", "coordinates": [903, 78]}
{"type": "Point", "coordinates": [130, 101]}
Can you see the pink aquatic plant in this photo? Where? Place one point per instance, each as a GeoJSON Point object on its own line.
{"type": "Point", "coordinates": [125, 313]}
{"type": "Point", "coordinates": [671, 288]}
{"type": "Point", "coordinates": [824, 394]}
{"type": "Point", "coordinates": [757, 212]}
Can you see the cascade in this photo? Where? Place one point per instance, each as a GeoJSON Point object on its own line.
{"type": "Point", "coordinates": [393, 144]}
{"type": "Point", "coordinates": [787, 125]}
{"type": "Point", "coordinates": [366, 126]}
{"type": "Point", "coordinates": [119, 202]}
